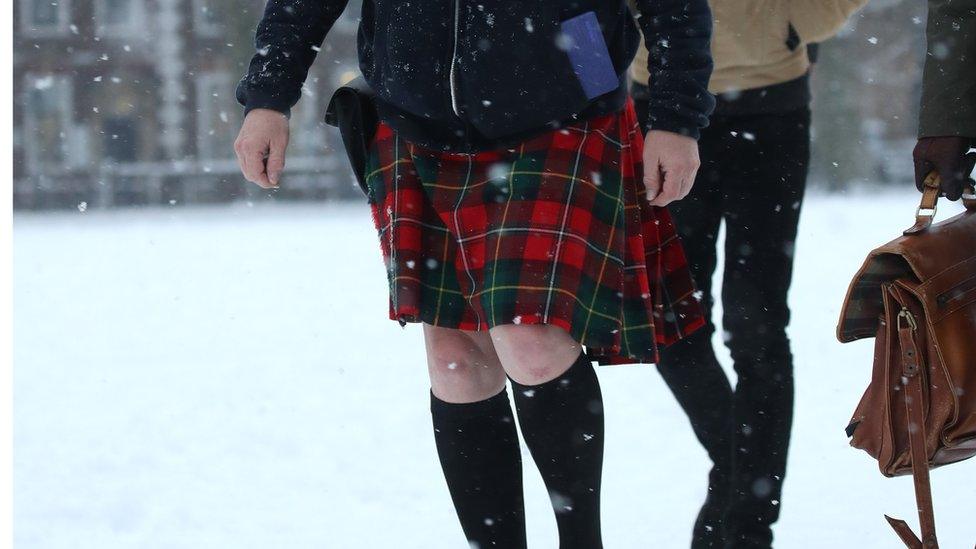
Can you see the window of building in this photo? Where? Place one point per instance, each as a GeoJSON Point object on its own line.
{"type": "Point", "coordinates": [216, 116]}
{"type": "Point", "coordinates": [47, 121]}
{"type": "Point", "coordinates": [44, 17]}
{"type": "Point", "coordinates": [119, 17]}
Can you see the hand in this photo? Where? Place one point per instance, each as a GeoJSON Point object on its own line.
{"type": "Point", "coordinates": [670, 164]}
{"type": "Point", "coordinates": [947, 155]}
{"type": "Point", "coordinates": [260, 147]}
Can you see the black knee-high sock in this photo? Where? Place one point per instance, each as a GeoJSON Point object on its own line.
{"type": "Point", "coordinates": [479, 451]}
{"type": "Point", "coordinates": [562, 422]}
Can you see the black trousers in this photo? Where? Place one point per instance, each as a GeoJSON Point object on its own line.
{"type": "Point", "coordinates": [752, 176]}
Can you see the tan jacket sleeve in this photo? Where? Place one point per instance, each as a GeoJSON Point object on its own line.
{"type": "Point", "coordinates": [638, 69]}
{"type": "Point", "coordinates": [818, 20]}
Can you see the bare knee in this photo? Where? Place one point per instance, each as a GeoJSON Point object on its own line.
{"type": "Point", "coordinates": [534, 354]}
{"type": "Point", "coordinates": [461, 368]}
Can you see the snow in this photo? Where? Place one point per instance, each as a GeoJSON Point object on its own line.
{"type": "Point", "coordinates": [227, 377]}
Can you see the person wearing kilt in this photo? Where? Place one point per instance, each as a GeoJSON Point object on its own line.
{"type": "Point", "coordinates": [520, 213]}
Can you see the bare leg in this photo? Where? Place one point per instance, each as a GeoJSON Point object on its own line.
{"type": "Point", "coordinates": [534, 354]}
{"type": "Point", "coordinates": [463, 365]}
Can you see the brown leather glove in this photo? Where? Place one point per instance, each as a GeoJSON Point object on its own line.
{"type": "Point", "coordinates": [947, 155]}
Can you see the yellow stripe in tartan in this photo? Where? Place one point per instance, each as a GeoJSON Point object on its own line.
{"type": "Point", "coordinates": [556, 175]}
{"type": "Point", "coordinates": [382, 169]}
{"type": "Point", "coordinates": [439, 289]}
{"type": "Point", "coordinates": [627, 329]}
{"type": "Point", "coordinates": [603, 264]}
{"type": "Point", "coordinates": [544, 289]}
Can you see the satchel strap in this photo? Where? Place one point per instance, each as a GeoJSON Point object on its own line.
{"type": "Point", "coordinates": [914, 403]}
{"type": "Point", "coordinates": [929, 204]}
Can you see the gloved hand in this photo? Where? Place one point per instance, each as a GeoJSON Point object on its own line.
{"type": "Point", "coordinates": [948, 156]}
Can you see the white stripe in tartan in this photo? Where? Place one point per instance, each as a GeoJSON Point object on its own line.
{"type": "Point", "coordinates": [551, 175]}
{"type": "Point", "coordinates": [498, 242]}
{"type": "Point", "coordinates": [534, 230]}
{"type": "Point", "coordinates": [562, 229]}
{"type": "Point", "coordinates": [612, 140]}
{"type": "Point", "coordinates": [457, 223]}
{"type": "Point", "coordinates": [439, 228]}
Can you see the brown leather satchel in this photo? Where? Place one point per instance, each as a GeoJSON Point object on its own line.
{"type": "Point", "coordinates": [916, 295]}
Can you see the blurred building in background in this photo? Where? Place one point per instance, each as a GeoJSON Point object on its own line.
{"type": "Point", "coordinates": [122, 102]}
{"type": "Point", "coordinates": [866, 89]}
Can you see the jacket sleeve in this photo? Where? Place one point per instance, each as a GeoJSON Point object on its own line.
{"type": "Point", "coordinates": [818, 20]}
{"type": "Point", "coordinates": [949, 79]}
{"type": "Point", "coordinates": [678, 35]}
{"type": "Point", "coordinates": [287, 39]}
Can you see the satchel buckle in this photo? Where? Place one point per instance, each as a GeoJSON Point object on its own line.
{"type": "Point", "coordinates": [926, 212]}
{"type": "Point", "coordinates": [907, 316]}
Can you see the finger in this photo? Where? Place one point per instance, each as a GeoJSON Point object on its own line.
{"type": "Point", "coordinates": [262, 175]}
{"type": "Point", "coordinates": [922, 166]}
{"type": "Point", "coordinates": [276, 162]}
{"type": "Point", "coordinates": [953, 174]}
{"type": "Point", "coordinates": [686, 185]}
{"type": "Point", "coordinates": [254, 165]}
{"type": "Point", "coordinates": [246, 152]}
{"type": "Point", "coordinates": [952, 182]}
{"type": "Point", "coordinates": [922, 170]}
{"type": "Point", "coordinates": [241, 161]}
{"type": "Point", "coordinates": [652, 177]}
{"type": "Point", "coordinates": [256, 171]}
{"type": "Point", "coordinates": [953, 191]}
{"type": "Point", "coordinates": [687, 181]}
{"type": "Point", "coordinates": [670, 190]}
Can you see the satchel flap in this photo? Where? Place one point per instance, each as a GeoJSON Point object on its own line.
{"type": "Point", "coordinates": [940, 247]}
{"type": "Point", "coordinates": [864, 303]}
{"type": "Point", "coordinates": [915, 258]}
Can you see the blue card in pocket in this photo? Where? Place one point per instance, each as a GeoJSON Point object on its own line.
{"type": "Point", "coordinates": [583, 41]}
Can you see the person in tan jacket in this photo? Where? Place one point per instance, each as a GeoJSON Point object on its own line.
{"type": "Point", "coordinates": [754, 160]}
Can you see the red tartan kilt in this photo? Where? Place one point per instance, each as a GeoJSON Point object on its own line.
{"type": "Point", "coordinates": [556, 230]}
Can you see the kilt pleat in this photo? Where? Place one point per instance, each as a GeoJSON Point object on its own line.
{"type": "Point", "coordinates": [556, 230]}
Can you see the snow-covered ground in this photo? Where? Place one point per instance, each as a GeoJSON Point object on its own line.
{"type": "Point", "coordinates": [226, 378]}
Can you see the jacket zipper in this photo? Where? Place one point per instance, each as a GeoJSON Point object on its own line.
{"type": "Point", "coordinates": [452, 79]}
